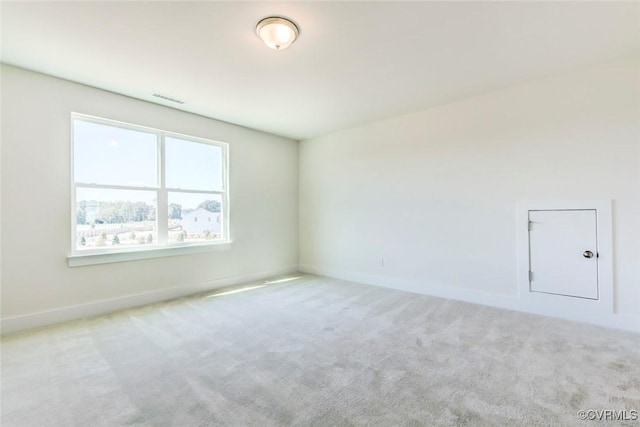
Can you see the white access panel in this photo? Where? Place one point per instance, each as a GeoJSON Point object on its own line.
{"type": "Point", "coordinates": [563, 252]}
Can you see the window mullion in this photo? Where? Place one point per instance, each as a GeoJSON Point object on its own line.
{"type": "Point", "coordinates": [162, 222]}
{"type": "Point", "coordinates": [182, 190]}
{"type": "Point", "coordinates": [113, 187]}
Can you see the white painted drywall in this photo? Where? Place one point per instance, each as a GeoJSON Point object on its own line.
{"type": "Point", "coordinates": [36, 206]}
{"type": "Point", "coordinates": [434, 193]}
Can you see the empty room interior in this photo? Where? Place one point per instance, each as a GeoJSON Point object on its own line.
{"type": "Point", "coordinates": [320, 213]}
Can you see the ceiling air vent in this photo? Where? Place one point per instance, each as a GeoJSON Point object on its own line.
{"type": "Point", "coordinates": [167, 98]}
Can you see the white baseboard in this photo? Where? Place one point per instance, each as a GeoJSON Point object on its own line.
{"type": "Point", "coordinates": [33, 320]}
{"type": "Point", "coordinates": [49, 317]}
{"type": "Point", "coordinates": [627, 322]}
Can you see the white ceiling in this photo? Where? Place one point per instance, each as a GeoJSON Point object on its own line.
{"type": "Point", "coordinates": [353, 63]}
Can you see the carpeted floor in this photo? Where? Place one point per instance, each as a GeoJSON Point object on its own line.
{"type": "Point", "coordinates": [317, 352]}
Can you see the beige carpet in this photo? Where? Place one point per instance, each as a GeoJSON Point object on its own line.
{"type": "Point", "coordinates": [317, 352]}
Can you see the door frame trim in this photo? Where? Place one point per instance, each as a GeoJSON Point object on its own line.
{"type": "Point", "coordinates": [559, 305]}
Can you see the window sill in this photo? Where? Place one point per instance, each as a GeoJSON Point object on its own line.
{"type": "Point", "coordinates": [80, 260]}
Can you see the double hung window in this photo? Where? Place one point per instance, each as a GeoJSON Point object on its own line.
{"type": "Point", "coordinates": [136, 188]}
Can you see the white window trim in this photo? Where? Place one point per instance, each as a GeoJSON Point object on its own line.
{"type": "Point", "coordinates": [162, 248]}
{"type": "Point", "coordinates": [140, 254]}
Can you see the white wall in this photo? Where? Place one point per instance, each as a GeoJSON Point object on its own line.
{"type": "Point", "coordinates": [435, 192]}
{"type": "Point", "coordinates": [37, 285]}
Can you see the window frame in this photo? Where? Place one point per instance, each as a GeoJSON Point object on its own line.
{"type": "Point", "coordinates": [161, 247]}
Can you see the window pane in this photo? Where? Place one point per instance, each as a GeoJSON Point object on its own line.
{"type": "Point", "coordinates": [192, 165]}
{"type": "Point", "coordinates": [195, 217]}
{"type": "Point", "coordinates": [111, 155]}
{"type": "Point", "coordinates": [110, 219]}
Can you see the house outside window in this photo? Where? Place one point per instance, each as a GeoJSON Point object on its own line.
{"type": "Point", "coordinates": [135, 188]}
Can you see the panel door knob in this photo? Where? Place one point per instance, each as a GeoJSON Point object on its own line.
{"type": "Point", "coordinates": [587, 254]}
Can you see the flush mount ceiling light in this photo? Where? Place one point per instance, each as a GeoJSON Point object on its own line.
{"type": "Point", "coordinates": [277, 32]}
